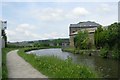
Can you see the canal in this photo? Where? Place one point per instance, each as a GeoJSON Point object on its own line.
{"type": "Point", "coordinates": [108, 68]}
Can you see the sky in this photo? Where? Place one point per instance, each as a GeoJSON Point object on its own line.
{"type": "Point", "coordinates": [29, 20]}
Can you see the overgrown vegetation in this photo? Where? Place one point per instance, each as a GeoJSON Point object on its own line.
{"type": "Point", "coordinates": [104, 52]}
{"type": "Point", "coordinates": [108, 40]}
{"type": "Point", "coordinates": [4, 66]}
{"type": "Point", "coordinates": [82, 40]}
{"type": "Point", "coordinates": [53, 67]}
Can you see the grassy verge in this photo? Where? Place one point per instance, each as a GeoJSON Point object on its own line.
{"type": "Point", "coordinates": [54, 67]}
{"type": "Point", "coordinates": [72, 50]}
{"type": "Point", "coordinates": [85, 52]}
{"type": "Point", "coordinates": [4, 67]}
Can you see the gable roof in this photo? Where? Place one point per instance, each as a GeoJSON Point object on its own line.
{"type": "Point", "coordinates": [85, 24]}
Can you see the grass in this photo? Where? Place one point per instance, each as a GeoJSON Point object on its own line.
{"type": "Point", "coordinates": [0, 72]}
{"type": "Point", "coordinates": [78, 51]}
{"type": "Point", "coordinates": [72, 50]}
{"type": "Point", "coordinates": [53, 67]}
{"type": "Point", "coordinates": [4, 66]}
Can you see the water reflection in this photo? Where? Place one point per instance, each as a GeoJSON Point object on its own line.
{"type": "Point", "coordinates": [108, 67]}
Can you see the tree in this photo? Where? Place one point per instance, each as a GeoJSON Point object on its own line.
{"type": "Point", "coordinates": [109, 37]}
{"type": "Point", "coordinates": [98, 37]}
{"type": "Point", "coordinates": [113, 34]}
{"type": "Point", "coordinates": [81, 40]}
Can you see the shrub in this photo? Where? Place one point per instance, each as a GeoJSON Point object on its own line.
{"type": "Point", "coordinates": [116, 53]}
{"type": "Point", "coordinates": [104, 52]}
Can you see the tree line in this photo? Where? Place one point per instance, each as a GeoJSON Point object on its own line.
{"type": "Point", "coordinates": [108, 40]}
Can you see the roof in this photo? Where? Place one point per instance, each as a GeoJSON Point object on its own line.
{"type": "Point", "coordinates": [85, 24]}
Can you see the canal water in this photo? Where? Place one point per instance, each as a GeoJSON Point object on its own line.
{"type": "Point", "coordinates": [108, 68]}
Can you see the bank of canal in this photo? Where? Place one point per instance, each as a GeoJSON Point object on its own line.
{"type": "Point", "coordinates": [108, 68]}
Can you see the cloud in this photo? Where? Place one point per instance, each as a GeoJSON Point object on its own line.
{"type": "Point", "coordinates": [104, 8]}
{"type": "Point", "coordinates": [24, 32]}
{"type": "Point", "coordinates": [56, 14]}
{"type": "Point", "coordinates": [24, 27]}
{"type": "Point", "coordinates": [80, 11]}
{"type": "Point", "coordinates": [60, 0]}
{"type": "Point", "coordinates": [46, 14]}
{"type": "Point", "coordinates": [53, 35]}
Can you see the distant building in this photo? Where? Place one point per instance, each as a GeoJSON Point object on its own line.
{"type": "Point", "coordinates": [65, 44]}
{"type": "Point", "coordinates": [82, 26]}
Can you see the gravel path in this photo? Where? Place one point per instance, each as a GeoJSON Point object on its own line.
{"type": "Point", "coordinates": [19, 68]}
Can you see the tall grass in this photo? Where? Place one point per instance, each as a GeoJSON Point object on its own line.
{"type": "Point", "coordinates": [53, 67]}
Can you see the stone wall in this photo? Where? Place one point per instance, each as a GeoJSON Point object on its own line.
{"type": "Point", "coordinates": [71, 41]}
{"type": "Point", "coordinates": [91, 37]}
{"type": "Point", "coordinates": [73, 29]}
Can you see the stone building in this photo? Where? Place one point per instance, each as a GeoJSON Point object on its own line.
{"type": "Point", "coordinates": [82, 26]}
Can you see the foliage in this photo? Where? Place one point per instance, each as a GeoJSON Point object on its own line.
{"type": "Point", "coordinates": [51, 42]}
{"type": "Point", "coordinates": [116, 52]}
{"type": "Point", "coordinates": [111, 37]}
{"type": "Point", "coordinates": [41, 45]}
{"type": "Point", "coordinates": [107, 36]}
{"type": "Point", "coordinates": [57, 41]}
{"type": "Point", "coordinates": [114, 32]}
{"type": "Point", "coordinates": [104, 52]}
{"type": "Point", "coordinates": [13, 46]}
{"type": "Point", "coordinates": [81, 40]}
{"type": "Point", "coordinates": [98, 37]}
{"type": "Point", "coordinates": [53, 67]}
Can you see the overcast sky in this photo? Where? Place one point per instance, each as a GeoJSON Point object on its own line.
{"type": "Point", "coordinates": [50, 20]}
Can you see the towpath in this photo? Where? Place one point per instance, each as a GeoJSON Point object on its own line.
{"type": "Point", "coordinates": [19, 68]}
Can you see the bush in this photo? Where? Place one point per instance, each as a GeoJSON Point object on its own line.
{"type": "Point", "coordinates": [76, 51]}
{"type": "Point", "coordinates": [116, 53]}
{"type": "Point", "coordinates": [104, 52]}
